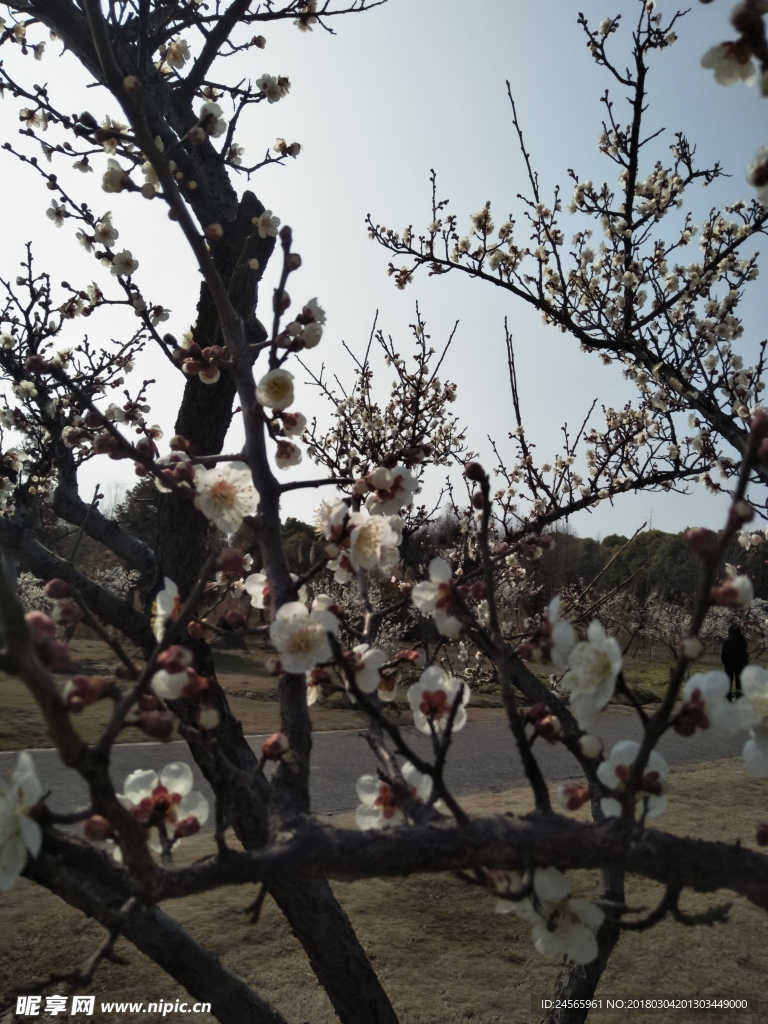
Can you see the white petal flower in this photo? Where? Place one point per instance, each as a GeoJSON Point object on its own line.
{"type": "Point", "coordinates": [591, 678]}
{"type": "Point", "coordinates": [432, 697]}
{"type": "Point", "coordinates": [757, 174]}
{"type": "Point", "coordinates": [266, 224]}
{"type": "Point", "coordinates": [166, 605]}
{"type": "Point", "coordinates": [275, 390]}
{"type": "Point", "coordinates": [731, 62]}
{"type": "Point", "coordinates": [436, 592]}
{"type": "Point", "coordinates": [177, 54]}
{"type": "Point", "coordinates": [389, 502]}
{"type": "Point", "coordinates": [123, 264]}
{"type": "Point", "coordinates": [378, 808]}
{"type": "Point", "coordinates": [257, 587]}
{"type": "Point", "coordinates": [211, 120]}
{"type": "Point", "coordinates": [706, 693]}
{"type": "Point", "coordinates": [372, 541]}
{"type": "Point", "coordinates": [288, 454]}
{"type": "Point", "coordinates": [365, 663]}
{"type": "Point", "coordinates": [613, 774]}
{"type": "Point", "coordinates": [168, 797]}
{"type": "Point", "coordinates": [20, 835]}
{"type": "Point", "coordinates": [301, 636]}
{"type": "Point", "coordinates": [563, 636]}
{"type": "Point", "coordinates": [226, 495]}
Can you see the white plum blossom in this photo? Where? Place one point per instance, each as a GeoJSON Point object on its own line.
{"type": "Point", "coordinates": [301, 636]}
{"type": "Point", "coordinates": [614, 772]}
{"type": "Point", "coordinates": [436, 591]}
{"type": "Point", "coordinates": [400, 492]}
{"type": "Point", "coordinates": [115, 178]}
{"type": "Point", "coordinates": [266, 224]}
{"type": "Point", "coordinates": [731, 62]}
{"type": "Point", "coordinates": [561, 924]}
{"type": "Point", "coordinates": [167, 798]}
{"type": "Point", "coordinates": [594, 668]}
{"type": "Point", "coordinates": [104, 233]}
{"type": "Point", "coordinates": [20, 835]}
{"type": "Point", "coordinates": [562, 635]}
{"type": "Point", "coordinates": [288, 454]}
{"type": "Point", "coordinates": [294, 423]}
{"type": "Point", "coordinates": [274, 88]}
{"type": "Point", "coordinates": [753, 709]}
{"type": "Point", "coordinates": [57, 213]}
{"type": "Point", "coordinates": [329, 517]}
{"type": "Point", "coordinates": [706, 695]}
{"type": "Point", "coordinates": [177, 54]}
{"type": "Point", "coordinates": [432, 697]}
{"type": "Point", "coordinates": [315, 310]}
{"type": "Point", "coordinates": [378, 807]}
{"type": "Point", "coordinates": [257, 587]}
{"type": "Point", "coordinates": [212, 121]}
{"type": "Point", "coordinates": [275, 390]}
{"type": "Point", "coordinates": [365, 661]}
{"type": "Point", "coordinates": [123, 264]}
{"type": "Point", "coordinates": [372, 541]}
{"type": "Point", "coordinates": [226, 495]}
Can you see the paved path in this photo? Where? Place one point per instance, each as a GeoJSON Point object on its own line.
{"type": "Point", "coordinates": [482, 758]}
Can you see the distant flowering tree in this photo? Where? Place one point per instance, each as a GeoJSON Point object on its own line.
{"type": "Point", "coordinates": [165, 136]}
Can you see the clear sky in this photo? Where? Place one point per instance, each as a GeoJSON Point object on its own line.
{"type": "Point", "coordinates": [414, 85]}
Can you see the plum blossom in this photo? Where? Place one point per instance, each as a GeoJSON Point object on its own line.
{"type": "Point", "coordinates": [753, 709]}
{"type": "Point", "coordinates": [365, 661]}
{"type": "Point", "coordinates": [226, 495]}
{"type": "Point", "coordinates": [562, 635]}
{"type": "Point", "coordinates": [123, 264]}
{"type": "Point", "coordinates": [561, 924]}
{"type": "Point", "coordinates": [294, 423]}
{"type": "Point", "coordinates": [274, 88]}
{"type": "Point", "coordinates": [731, 62]}
{"type": "Point", "coordinates": [257, 588]}
{"type": "Point", "coordinates": [288, 454]}
{"type": "Point", "coordinates": [57, 213]}
{"type": "Point", "coordinates": [266, 224]}
{"type": "Point", "coordinates": [372, 541]}
{"type": "Point", "coordinates": [20, 835]}
{"type": "Point", "coordinates": [757, 174]}
{"type": "Point", "coordinates": [177, 54]}
{"type": "Point", "coordinates": [115, 178]}
{"type": "Point", "coordinates": [211, 120]}
{"type": "Point", "coordinates": [301, 636]}
{"type": "Point", "coordinates": [432, 697]}
{"type": "Point", "coordinates": [435, 592]}
{"type": "Point", "coordinates": [104, 233]}
{"type": "Point", "coordinates": [166, 606]}
{"type": "Point", "coordinates": [388, 501]}
{"type": "Point", "coordinates": [166, 800]}
{"type": "Point", "coordinates": [614, 772]}
{"type": "Point", "coordinates": [378, 807]}
{"type": "Point", "coordinates": [275, 390]}
{"type": "Point", "coordinates": [706, 705]}
{"type": "Point", "coordinates": [594, 667]}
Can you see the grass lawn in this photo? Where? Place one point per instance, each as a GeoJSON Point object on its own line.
{"type": "Point", "coordinates": [442, 954]}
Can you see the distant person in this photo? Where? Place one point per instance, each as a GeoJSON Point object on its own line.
{"type": "Point", "coordinates": [735, 656]}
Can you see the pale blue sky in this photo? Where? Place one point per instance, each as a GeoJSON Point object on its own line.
{"type": "Point", "coordinates": [413, 85]}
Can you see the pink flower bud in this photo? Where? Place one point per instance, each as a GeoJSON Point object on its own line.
{"type": "Point", "coordinates": [274, 746]}
{"type": "Point", "coordinates": [692, 648]}
{"type": "Point", "coordinates": [122, 671]}
{"type": "Point", "coordinates": [571, 796]}
{"type": "Point", "coordinates": [161, 725]}
{"type": "Point", "coordinates": [175, 658]}
{"type": "Point", "coordinates": [741, 512]}
{"type": "Point", "coordinates": [478, 500]}
{"type": "Point", "coordinates": [41, 627]}
{"type": "Point", "coordinates": [234, 618]}
{"type": "Point", "coordinates": [186, 827]}
{"type": "Point", "coordinates": [474, 471]}
{"type": "Point", "coordinates": [97, 829]}
{"type": "Point", "coordinates": [56, 589]}
{"type": "Point", "coordinates": [590, 747]}
{"type": "Point", "coordinates": [701, 541]}
{"type": "Point", "coordinates": [260, 42]}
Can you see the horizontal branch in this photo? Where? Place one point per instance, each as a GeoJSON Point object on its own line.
{"type": "Point", "coordinates": [320, 851]}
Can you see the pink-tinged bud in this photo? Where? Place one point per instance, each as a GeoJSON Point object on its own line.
{"type": "Point", "coordinates": [195, 630]}
{"type": "Point", "coordinates": [41, 627]}
{"type": "Point", "coordinates": [207, 717]}
{"type": "Point", "coordinates": [231, 560]}
{"type": "Point", "coordinates": [380, 479]}
{"type": "Point", "coordinates": [741, 512]}
{"type": "Point", "coordinates": [502, 548]}
{"type": "Point", "coordinates": [55, 654]}
{"type": "Point", "coordinates": [122, 671]}
{"type": "Point", "coordinates": [692, 648]}
{"type": "Point", "coordinates": [733, 593]}
{"type": "Point", "coordinates": [214, 231]}
{"type": "Point", "coordinates": [293, 262]}
{"type": "Point", "coordinates": [590, 747]}
{"type": "Point", "coordinates": [179, 443]}
{"type": "Point", "coordinates": [274, 746]}
{"type": "Point", "coordinates": [361, 488]}
{"type": "Point", "coordinates": [196, 135]}
{"type": "Point", "coordinates": [93, 419]}
{"type": "Point", "coordinates": [175, 658]}
{"type": "Point", "coordinates": [478, 500]}
{"type": "Point", "coordinates": [97, 829]}
{"type": "Point", "coordinates": [415, 657]}
{"type": "Point", "coordinates": [474, 471]}
{"type": "Point", "coordinates": [56, 589]}
{"type": "Point", "coordinates": [761, 834]}
{"type": "Point", "coordinates": [196, 683]}
{"type": "Point", "coordinates": [571, 796]}
{"type": "Point", "coordinates": [149, 702]}
{"type": "Point", "coordinates": [234, 618]}
{"type": "Point", "coordinates": [273, 666]}
{"type": "Point", "coordinates": [479, 590]}
{"type": "Point", "coordinates": [186, 827]}
{"type": "Point", "coordinates": [260, 42]}
{"type": "Point", "coordinates": [406, 589]}
{"type": "Point", "coordinates": [550, 728]}
{"type": "Point", "coordinates": [35, 364]}
{"type": "Point", "coordinates": [701, 541]}
{"type": "Point", "coordinates": [160, 725]}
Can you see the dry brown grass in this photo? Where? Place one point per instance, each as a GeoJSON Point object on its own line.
{"type": "Point", "coordinates": [438, 948]}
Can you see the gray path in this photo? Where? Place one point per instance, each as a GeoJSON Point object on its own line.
{"type": "Point", "coordinates": [483, 758]}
